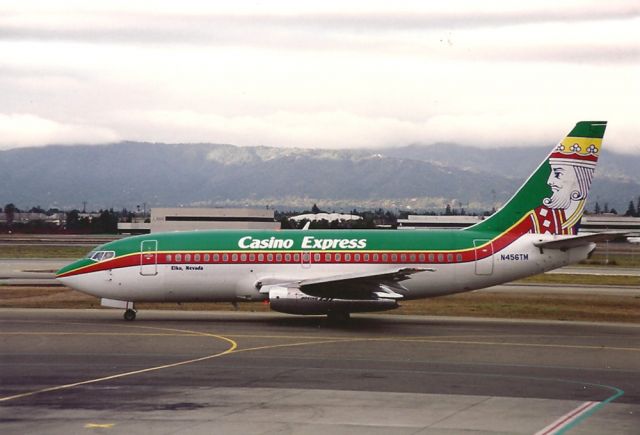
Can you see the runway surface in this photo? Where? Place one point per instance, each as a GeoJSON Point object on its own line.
{"type": "Point", "coordinates": [87, 371]}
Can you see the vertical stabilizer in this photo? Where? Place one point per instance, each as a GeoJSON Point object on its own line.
{"type": "Point", "coordinates": [552, 200]}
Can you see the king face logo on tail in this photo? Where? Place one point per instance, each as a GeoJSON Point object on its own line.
{"type": "Point", "coordinates": [572, 165]}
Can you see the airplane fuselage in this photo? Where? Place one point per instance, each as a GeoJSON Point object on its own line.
{"type": "Point", "coordinates": [163, 268]}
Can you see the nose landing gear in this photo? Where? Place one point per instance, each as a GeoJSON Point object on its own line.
{"type": "Point", "coordinates": [130, 315]}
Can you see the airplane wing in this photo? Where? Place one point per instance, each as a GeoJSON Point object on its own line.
{"type": "Point", "coordinates": [574, 241]}
{"type": "Point", "coordinates": [384, 284]}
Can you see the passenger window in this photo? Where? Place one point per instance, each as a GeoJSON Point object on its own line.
{"type": "Point", "coordinates": [316, 258]}
{"type": "Point", "coordinates": [296, 258]}
{"type": "Point", "coordinates": [356, 257]}
{"type": "Point", "coordinates": [261, 257]}
{"type": "Point", "coordinates": [459, 258]}
{"type": "Point", "coordinates": [375, 258]}
{"type": "Point", "coordinates": [347, 257]}
{"type": "Point", "coordinates": [187, 258]}
{"type": "Point", "coordinates": [225, 257]}
{"type": "Point", "coordinates": [421, 258]}
{"type": "Point", "coordinates": [196, 258]}
{"type": "Point", "coordinates": [168, 258]}
{"type": "Point", "coordinates": [234, 257]}
{"type": "Point", "coordinates": [243, 257]}
{"type": "Point", "coordinates": [287, 258]}
{"type": "Point", "coordinates": [338, 257]}
{"type": "Point", "coordinates": [431, 258]}
{"type": "Point", "coordinates": [216, 257]}
{"type": "Point", "coordinates": [327, 258]}
{"type": "Point", "coordinates": [440, 258]}
{"type": "Point", "coordinates": [207, 257]}
{"type": "Point", "coordinates": [403, 258]}
{"type": "Point", "coordinates": [413, 258]}
{"type": "Point", "coordinates": [178, 258]}
{"type": "Point", "coordinates": [449, 258]}
{"type": "Point", "coordinates": [366, 257]}
{"type": "Point", "coordinates": [252, 258]}
{"type": "Point", "coordinates": [278, 258]}
{"type": "Point", "coordinates": [394, 257]}
{"type": "Point", "coordinates": [385, 258]}
{"type": "Point", "coordinates": [269, 258]}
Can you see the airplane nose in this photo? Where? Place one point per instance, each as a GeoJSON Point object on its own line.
{"type": "Point", "coordinates": [71, 274]}
{"type": "Point", "coordinates": [63, 275]}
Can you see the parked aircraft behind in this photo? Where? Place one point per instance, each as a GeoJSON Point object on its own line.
{"type": "Point", "coordinates": [341, 272]}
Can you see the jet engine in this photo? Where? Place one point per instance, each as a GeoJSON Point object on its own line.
{"type": "Point", "coordinates": [293, 301]}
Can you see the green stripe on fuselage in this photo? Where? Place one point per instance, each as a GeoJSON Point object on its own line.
{"type": "Point", "coordinates": [296, 240]}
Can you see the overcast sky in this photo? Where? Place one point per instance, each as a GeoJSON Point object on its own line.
{"type": "Point", "coordinates": [333, 74]}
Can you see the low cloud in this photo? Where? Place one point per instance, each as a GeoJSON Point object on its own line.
{"type": "Point", "coordinates": [342, 129]}
{"type": "Point", "coordinates": [20, 130]}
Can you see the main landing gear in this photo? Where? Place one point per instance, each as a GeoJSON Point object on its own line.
{"type": "Point", "coordinates": [130, 315]}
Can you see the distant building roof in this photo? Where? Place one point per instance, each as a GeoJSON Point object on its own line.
{"type": "Point", "coordinates": [329, 217]}
{"type": "Point", "coordinates": [437, 222]}
{"type": "Point", "coordinates": [604, 222]}
{"type": "Point", "coordinates": [25, 217]}
{"type": "Point", "coordinates": [589, 224]}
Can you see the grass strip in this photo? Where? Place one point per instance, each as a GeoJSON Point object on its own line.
{"type": "Point", "coordinates": [43, 251]}
{"type": "Point", "coordinates": [579, 279]}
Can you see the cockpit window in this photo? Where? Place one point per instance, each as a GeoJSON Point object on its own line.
{"type": "Point", "coordinates": [101, 255]}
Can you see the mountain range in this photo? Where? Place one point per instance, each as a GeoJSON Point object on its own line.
{"type": "Point", "coordinates": [414, 177]}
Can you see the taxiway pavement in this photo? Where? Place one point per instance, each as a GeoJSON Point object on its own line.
{"type": "Point", "coordinates": [82, 371]}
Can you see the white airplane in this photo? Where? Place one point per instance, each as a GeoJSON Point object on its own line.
{"type": "Point", "coordinates": [340, 272]}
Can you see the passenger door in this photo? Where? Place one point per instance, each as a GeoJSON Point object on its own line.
{"type": "Point", "coordinates": [149, 258]}
{"type": "Point", "coordinates": [484, 256]}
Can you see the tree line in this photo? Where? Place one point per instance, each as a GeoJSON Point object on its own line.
{"type": "Point", "coordinates": [74, 221]}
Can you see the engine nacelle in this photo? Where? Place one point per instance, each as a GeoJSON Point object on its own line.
{"type": "Point", "coordinates": [293, 301]}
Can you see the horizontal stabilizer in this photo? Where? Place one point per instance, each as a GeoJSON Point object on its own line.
{"type": "Point", "coordinates": [565, 243]}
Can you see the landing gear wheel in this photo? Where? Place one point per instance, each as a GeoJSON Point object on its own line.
{"type": "Point", "coordinates": [130, 315]}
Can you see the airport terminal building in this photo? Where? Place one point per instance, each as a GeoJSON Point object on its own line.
{"type": "Point", "coordinates": [194, 218]}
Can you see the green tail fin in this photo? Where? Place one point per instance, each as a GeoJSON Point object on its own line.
{"type": "Point", "coordinates": [552, 200]}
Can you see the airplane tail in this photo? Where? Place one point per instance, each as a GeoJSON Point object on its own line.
{"type": "Point", "coordinates": [552, 200]}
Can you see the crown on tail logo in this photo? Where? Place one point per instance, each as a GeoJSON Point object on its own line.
{"type": "Point", "coordinates": [576, 152]}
